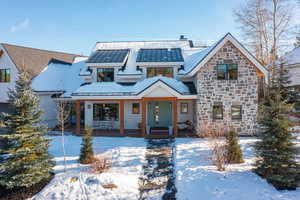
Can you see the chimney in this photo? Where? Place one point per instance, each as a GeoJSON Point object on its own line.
{"type": "Point", "coordinates": [182, 37]}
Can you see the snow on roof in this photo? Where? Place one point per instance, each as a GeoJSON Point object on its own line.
{"type": "Point", "coordinates": [293, 57]}
{"type": "Point", "coordinates": [59, 77]}
{"type": "Point", "coordinates": [112, 88]}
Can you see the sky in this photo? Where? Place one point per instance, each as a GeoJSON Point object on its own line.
{"type": "Point", "coordinates": [75, 26]}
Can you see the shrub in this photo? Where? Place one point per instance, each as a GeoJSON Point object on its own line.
{"type": "Point", "coordinates": [233, 149]}
{"type": "Point", "coordinates": [86, 151]}
{"type": "Point", "coordinates": [100, 164]}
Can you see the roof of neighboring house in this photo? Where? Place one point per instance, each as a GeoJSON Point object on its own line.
{"type": "Point", "coordinates": [292, 57]}
{"type": "Point", "coordinates": [160, 55]}
{"type": "Point", "coordinates": [35, 60]}
{"type": "Point", "coordinates": [108, 56]}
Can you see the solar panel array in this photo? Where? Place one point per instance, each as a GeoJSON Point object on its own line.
{"type": "Point", "coordinates": [160, 55]}
{"type": "Point", "coordinates": [108, 56]}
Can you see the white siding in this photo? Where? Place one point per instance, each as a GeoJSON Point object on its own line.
{"type": "Point", "coordinates": [131, 120]}
{"type": "Point", "coordinates": [6, 63]}
{"type": "Point", "coordinates": [48, 105]}
{"type": "Point", "coordinates": [182, 117]}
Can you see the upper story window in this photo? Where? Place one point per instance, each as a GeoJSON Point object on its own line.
{"type": "Point", "coordinates": [4, 75]}
{"type": "Point", "coordinates": [105, 74]}
{"type": "Point", "coordinates": [217, 112]}
{"type": "Point", "coordinates": [227, 71]}
{"type": "Point", "coordinates": [163, 71]}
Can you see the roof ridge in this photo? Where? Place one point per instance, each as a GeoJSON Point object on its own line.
{"type": "Point", "coordinates": [39, 49]}
{"type": "Point", "coordinates": [115, 41]}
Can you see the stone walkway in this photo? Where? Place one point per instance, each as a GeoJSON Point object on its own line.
{"type": "Point", "coordinates": [158, 178]}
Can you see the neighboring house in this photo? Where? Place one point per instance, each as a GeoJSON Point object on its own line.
{"type": "Point", "coordinates": [153, 87]}
{"type": "Point", "coordinates": [13, 58]}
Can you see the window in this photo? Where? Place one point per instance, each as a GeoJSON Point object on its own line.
{"type": "Point", "coordinates": [156, 71]}
{"type": "Point", "coordinates": [106, 112]}
{"type": "Point", "coordinates": [4, 75]}
{"type": "Point", "coordinates": [184, 107]}
{"type": "Point", "coordinates": [135, 108]}
{"type": "Point", "coordinates": [105, 74]}
{"type": "Point", "coordinates": [218, 112]}
{"type": "Point", "coordinates": [236, 112]}
{"type": "Point", "coordinates": [227, 72]}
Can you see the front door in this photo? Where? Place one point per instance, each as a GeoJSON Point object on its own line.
{"type": "Point", "coordinates": [159, 113]}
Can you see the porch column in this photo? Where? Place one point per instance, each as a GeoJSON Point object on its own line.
{"type": "Point", "coordinates": [77, 117]}
{"type": "Point", "coordinates": [174, 108]}
{"type": "Point", "coordinates": [122, 130]}
{"type": "Point", "coordinates": [143, 125]}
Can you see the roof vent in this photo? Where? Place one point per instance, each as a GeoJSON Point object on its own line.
{"type": "Point", "coordinates": [182, 37]}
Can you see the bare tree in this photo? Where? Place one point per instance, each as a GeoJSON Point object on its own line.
{"type": "Point", "coordinates": [266, 25]}
{"type": "Point", "coordinates": [63, 114]}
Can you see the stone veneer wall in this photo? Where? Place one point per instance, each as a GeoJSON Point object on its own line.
{"type": "Point", "coordinates": [228, 92]}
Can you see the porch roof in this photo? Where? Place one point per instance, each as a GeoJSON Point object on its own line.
{"type": "Point", "coordinates": [118, 89]}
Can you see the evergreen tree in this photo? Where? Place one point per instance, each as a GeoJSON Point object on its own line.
{"type": "Point", "coordinates": [233, 149]}
{"type": "Point", "coordinates": [25, 159]}
{"type": "Point", "coordinates": [86, 151]}
{"type": "Point", "coordinates": [275, 150]}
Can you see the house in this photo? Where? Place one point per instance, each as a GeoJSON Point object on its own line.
{"type": "Point", "coordinates": [158, 87]}
{"type": "Point", "coordinates": [14, 58]}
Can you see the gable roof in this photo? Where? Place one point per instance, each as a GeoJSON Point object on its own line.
{"type": "Point", "coordinates": [194, 63]}
{"type": "Point", "coordinates": [34, 60]}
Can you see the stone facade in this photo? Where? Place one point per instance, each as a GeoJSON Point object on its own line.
{"type": "Point", "coordinates": [243, 91]}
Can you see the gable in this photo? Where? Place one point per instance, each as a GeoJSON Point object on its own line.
{"type": "Point", "coordinates": [229, 39]}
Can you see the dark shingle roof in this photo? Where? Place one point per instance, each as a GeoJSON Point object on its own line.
{"type": "Point", "coordinates": [160, 55]}
{"type": "Point", "coordinates": [108, 56]}
{"type": "Point", "coordinates": [35, 60]}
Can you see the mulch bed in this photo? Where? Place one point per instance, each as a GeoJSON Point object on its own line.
{"type": "Point", "coordinates": [22, 192]}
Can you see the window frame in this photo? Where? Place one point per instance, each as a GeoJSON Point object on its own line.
{"type": "Point", "coordinates": [240, 112]}
{"type": "Point", "coordinates": [6, 75]}
{"type": "Point", "coordinates": [181, 108]}
{"type": "Point", "coordinates": [104, 68]}
{"type": "Point", "coordinates": [156, 70]}
{"type": "Point", "coordinates": [116, 116]}
{"type": "Point", "coordinates": [138, 109]}
{"type": "Point", "coordinates": [227, 71]}
{"type": "Point", "coordinates": [214, 115]}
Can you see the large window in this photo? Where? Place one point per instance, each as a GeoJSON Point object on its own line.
{"type": "Point", "coordinates": [106, 112]}
{"type": "Point", "coordinates": [218, 112]}
{"type": "Point", "coordinates": [156, 71]}
{"type": "Point", "coordinates": [4, 75]}
{"type": "Point", "coordinates": [236, 112]}
{"type": "Point", "coordinates": [105, 74]}
{"type": "Point", "coordinates": [227, 72]}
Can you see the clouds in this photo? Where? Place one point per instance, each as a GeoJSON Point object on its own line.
{"type": "Point", "coordinates": [22, 25]}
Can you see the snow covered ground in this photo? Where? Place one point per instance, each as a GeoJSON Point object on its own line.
{"type": "Point", "coordinates": [196, 177]}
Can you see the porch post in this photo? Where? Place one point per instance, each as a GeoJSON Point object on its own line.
{"type": "Point", "coordinates": [78, 117]}
{"type": "Point", "coordinates": [122, 131]}
{"type": "Point", "coordinates": [143, 125]}
{"type": "Point", "coordinates": [174, 108]}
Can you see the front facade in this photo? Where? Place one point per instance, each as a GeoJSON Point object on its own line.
{"type": "Point", "coordinates": [154, 88]}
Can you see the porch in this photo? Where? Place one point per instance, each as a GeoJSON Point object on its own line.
{"type": "Point", "coordinates": [135, 118]}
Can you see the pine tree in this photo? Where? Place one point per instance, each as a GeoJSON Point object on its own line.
{"type": "Point", "coordinates": [275, 150]}
{"type": "Point", "coordinates": [233, 149]}
{"type": "Point", "coordinates": [86, 151]}
{"type": "Point", "coordinates": [25, 159]}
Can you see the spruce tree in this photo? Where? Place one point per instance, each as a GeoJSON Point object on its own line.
{"type": "Point", "coordinates": [86, 151]}
{"type": "Point", "coordinates": [275, 150]}
{"type": "Point", "coordinates": [233, 149]}
{"type": "Point", "coordinates": [25, 159]}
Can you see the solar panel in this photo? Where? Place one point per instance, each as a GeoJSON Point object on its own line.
{"type": "Point", "coordinates": [160, 55]}
{"type": "Point", "coordinates": [108, 56]}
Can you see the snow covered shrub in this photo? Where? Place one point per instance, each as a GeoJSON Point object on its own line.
{"type": "Point", "coordinates": [233, 149]}
{"type": "Point", "coordinates": [86, 151]}
{"type": "Point", "coordinates": [100, 164]}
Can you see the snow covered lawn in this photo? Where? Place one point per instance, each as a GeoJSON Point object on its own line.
{"type": "Point", "coordinates": [196, 177]}
{"type": "Point", "coordinates": [128, 157]}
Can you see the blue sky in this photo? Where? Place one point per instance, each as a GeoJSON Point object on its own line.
{"type": "Point", "coordinates": [75, 26]}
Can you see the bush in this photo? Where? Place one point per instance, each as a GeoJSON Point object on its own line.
{"type": "Point", "coordinates": [86, 151]}
{"type": "Point", "coordinates": [100, 164]}
{"type": "Point", "coordinates": [233, 149]}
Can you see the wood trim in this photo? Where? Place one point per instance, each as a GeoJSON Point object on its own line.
{"type": "Point", "coordinates": [143, 125]}
{"type": "Point", "coordinates": [175, 116]}
{"type": "Point", "coordinates": [159, 98]}
{"type": "Point", "coordinates": [77, 103]}
{"type": "Point", "coordinates": [122, 123]}
{"type": "Point", "coordinates": [145, 98]}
